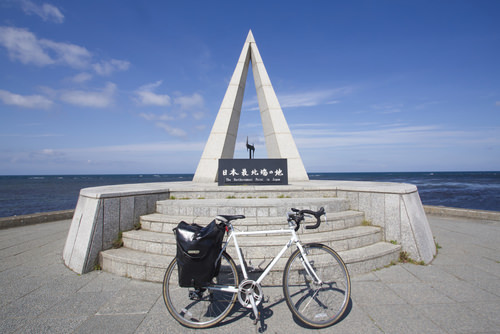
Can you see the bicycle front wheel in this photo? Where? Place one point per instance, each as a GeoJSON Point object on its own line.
{"type": "Point", "coordinates": [200, 307]}
{"type": "Point", "coordinates": [317, 304]}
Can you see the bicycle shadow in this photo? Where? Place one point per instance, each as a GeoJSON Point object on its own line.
{"type": "Point", "coordinates": [266, 312]}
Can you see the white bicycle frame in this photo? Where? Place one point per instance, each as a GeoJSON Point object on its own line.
{"type": "Point", "coordinates": [293, 240]}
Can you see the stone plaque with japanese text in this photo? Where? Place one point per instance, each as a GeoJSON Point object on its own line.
{"type": "Point", "coordinates": [252, 172]}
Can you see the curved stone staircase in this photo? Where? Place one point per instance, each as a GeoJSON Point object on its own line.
{"type": "Point", "coordinates": [147, 252]}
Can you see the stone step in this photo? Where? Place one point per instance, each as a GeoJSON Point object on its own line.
{"type": "Point", "coordinates": [158, 222]}
{"type": "Point", "coordinates": [151, 267]}
{"type": "Point", "coordinates": [250, 207]}
{"type": "Point", "coordinates": [258, 246]}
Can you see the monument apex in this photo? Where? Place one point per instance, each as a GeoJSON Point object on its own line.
{"type": "Point", "coordinates": [222, 139]}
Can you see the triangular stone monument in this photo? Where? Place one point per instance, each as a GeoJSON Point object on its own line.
{"type": "Point", "coordinates": [222, 139]}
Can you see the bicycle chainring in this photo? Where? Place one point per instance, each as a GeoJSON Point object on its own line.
{"type": "Point", "coordinates": [249, 289]}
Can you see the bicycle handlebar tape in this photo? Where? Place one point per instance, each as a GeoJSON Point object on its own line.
{"type": "Point", "coordinates": [316, 214]}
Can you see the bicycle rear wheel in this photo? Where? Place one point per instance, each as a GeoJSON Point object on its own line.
{"type": "Point", "coordinates": [203, 307]}
{"type": "Point", "coordinates": [317, 305]}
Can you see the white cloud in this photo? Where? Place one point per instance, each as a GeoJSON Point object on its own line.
{"type": "Point", "coordinates": [146, 96]}
{"type": "Point", "coordinates": [306, 99]}
{"type": "Point", "coordinates": [160, 147]}
{"type": "Point", "coordinates": [198, 115]}
{"type": "Point", "coordinates": [46, 11]}
{"type": "Point", "coordinates": [392, 136]}
{"type": "Point", "coordinates": [155, 117]}
{"type": "Point", "coordinates": [25, 101]}
{"type": "Point", "coordinates": [67, 54]}
{"type": "Point", "coordinates": [81, 77]}
{"type": "Point", "coordinates": [150, 98]}
{"type": "Point", "coordinates": [313, 98]}
{"type": "Point", "coordinates": [194, 101]}
{"type": "Point", "coordinates": [23, 45]}
{"type": "Point", "coordinates": [387, 108]}
{"type": "Point", "coordinates": [176, 132]}
{"type": "Point", "coordinates": [95, 99]}
{"type": "Point", "coordinates": [109, 66]}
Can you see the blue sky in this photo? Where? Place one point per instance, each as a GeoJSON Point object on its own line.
{"type": "Point", "coordinates": [90, 87]}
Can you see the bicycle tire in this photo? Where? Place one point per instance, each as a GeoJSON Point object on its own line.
{"type": "Point", "coordinates": [316, 305]}
{"type": "Point", "coordinates": [200, 308]}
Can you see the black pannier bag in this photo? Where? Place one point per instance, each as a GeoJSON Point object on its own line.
{"type": "Point", "coordinates": [197, 251]}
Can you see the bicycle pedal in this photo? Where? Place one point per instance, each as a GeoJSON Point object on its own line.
{"type": "Point", "coordinates": [256, 321]}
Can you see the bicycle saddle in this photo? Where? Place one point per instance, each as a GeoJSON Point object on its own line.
{"type": "Point", "coordinates": [228, 218]}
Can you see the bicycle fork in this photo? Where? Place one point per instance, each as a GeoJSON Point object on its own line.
{"type": "Point", "coordinates": [307, 265]}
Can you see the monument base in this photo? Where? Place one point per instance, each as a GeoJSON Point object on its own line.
{"type": "Point", "coordinates": [102, 212]}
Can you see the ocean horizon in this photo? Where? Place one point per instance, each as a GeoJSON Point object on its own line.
{"type": "Point", "coordinates": [27, 194]}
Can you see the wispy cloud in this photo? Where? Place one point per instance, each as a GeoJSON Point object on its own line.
{"type": "Point", "coordinates": [156, 117]}
{"type": "Point", "coordinates": [396, 135]}
{"type": "Point", "coordinates": [313, 98]}
{"type": "Point", "coordinates": [81, 77]}
{"type": "Point", "coordinates": [145, 95]}
{"type": "Point", "coordinates": [387, 108]}
{"type": "Point", "coordinates": [68, 54]}
{"type": "Point", "coordinates": [306, 99]}
{"type": "Point", "coordinates": [191, 102]}
{"type": "Point", "coordinates": [97, 99]}
{"type": "Point", "coordinates": [46, 11]}
{"type": "Point", "coordinates": [161, 122]}
{"type": "Point", "coordinates": [108, 67]}
{"type": "Point", "coordinates": [22, 45]}
{"type": "Point", "coordinates": [173, 131]}
{"type": "Point", "coordinates": [25, 101]}
{"type": "Point", "coordinates": [146, 147]}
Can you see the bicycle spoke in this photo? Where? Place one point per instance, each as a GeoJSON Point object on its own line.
{"type": "Point", "coordinates": [318, 305]}
{"type": "Point", "coordinates": [200, 308]}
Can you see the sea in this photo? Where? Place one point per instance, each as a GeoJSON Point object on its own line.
{"type": "Point", "coordinates": [20, 195]}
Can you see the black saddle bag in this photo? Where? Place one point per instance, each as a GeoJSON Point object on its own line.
{"type": "Point", "coordinates": [197, 251]}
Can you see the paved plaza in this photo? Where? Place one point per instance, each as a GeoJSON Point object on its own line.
{"type": "Point", "coordinates": [459, 292]}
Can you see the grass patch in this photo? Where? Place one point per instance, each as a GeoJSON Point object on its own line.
{"type": "Point", "coordinates": [137, 226]}
{"type": "Point", "coordinates": [230, 197]}
{"type": "Point", "coordinates": [394, 242]}
{"type": "Point", "coordinates": [263, 197]}
{"type": "Point", "coordinates": [366, 223]}
{"type": "Point", "coordinates": [404, 257]}
{"type": "Point", "coordinates": [283, 196]}
{"type": "Point", "coordinates": [118, 242]}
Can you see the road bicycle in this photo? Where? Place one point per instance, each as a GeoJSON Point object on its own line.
{"type": "Point", "coordinates": [316, 282]}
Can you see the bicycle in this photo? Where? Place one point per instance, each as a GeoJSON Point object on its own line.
{"type": "Point", "coordinates": [316, 282]}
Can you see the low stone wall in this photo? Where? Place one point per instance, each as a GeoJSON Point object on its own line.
{"type": "Point", "coordinates": [35, 218]}
{"type": "Point", "coordinates": [397, 208]}
{"type": "Point", "coordinates": [464, 213]}
{"type": "Point", "coordinates": [101, 213]}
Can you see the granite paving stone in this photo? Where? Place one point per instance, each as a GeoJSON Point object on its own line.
{"type": "Point", "coordinates": [459, 292]}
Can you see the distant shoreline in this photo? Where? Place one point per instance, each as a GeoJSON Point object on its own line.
{"type": "Point", "coordinates": [51, 216]}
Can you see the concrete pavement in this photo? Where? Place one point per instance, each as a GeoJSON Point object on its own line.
{"type": "Point", "coordinates": [459, 292]}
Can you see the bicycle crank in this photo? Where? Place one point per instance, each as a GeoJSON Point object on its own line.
{"type": "Point", "coordinates": [250, 295]}
{"type": "Point", "coordinates": [249, 291]}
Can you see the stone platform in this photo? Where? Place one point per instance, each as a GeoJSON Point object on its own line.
{"type": "Point", "coordinates": [459, 292]}
{"type": "Point", "coordinates": [369, 223]}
